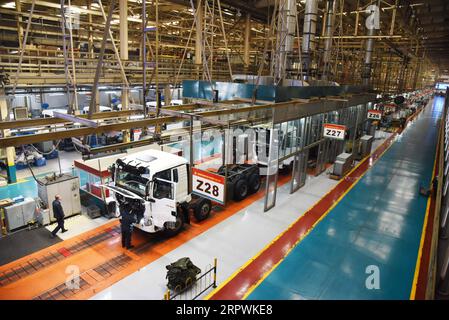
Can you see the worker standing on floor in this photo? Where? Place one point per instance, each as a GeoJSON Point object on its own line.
{"type": "Point", "coordinates": [58, 214]}
{"type": "Point", "coordinates": [126, 222]}
{"type": "Point", "coordinates": [402, 118]}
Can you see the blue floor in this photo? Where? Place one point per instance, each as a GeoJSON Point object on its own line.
{"type": "Point", "coordinates": [28, 187]}
{"type": "Point", "coordinates": [378, 223]}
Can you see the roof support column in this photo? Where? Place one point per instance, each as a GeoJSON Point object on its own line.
{"type": "Point", "coordinates": [199, 37]}
{"type": "Point", "coordinates": [90, 40]}
{"type": "Point", "coordinates": [246, 49]}
{"type": "Point", "coordinates": [10, 151]}
{"type": "Point", "coordinates": [19, 23]}
{"type": "Point", "coordinates": [93, 106]}
{"type": "Point", "coordinates": [123, 13]}
{"type": "Point", "coordinates": [123, 7]}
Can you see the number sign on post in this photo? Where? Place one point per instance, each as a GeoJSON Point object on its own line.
{"type": "Point", "coordinates": [208, 185]}
{"type": "Point", "coordinates": [334, 131]}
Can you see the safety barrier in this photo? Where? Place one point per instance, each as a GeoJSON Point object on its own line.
{"type": "Point", "coordinates": [195, 288]}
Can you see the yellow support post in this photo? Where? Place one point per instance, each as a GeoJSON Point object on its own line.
{"type": "Point", "coordinates": [215, 272]}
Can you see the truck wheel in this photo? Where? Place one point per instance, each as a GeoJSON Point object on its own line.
{"type": "Point", "coordinates": [254, 183]}
{"type": "Point", "coordinates": [173, 228]}
{"type": "Point", "coordinates": [240, 190]}
{"type": "Point", "coordinates": [202, 209]}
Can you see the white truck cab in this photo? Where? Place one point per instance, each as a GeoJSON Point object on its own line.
{"type": "Point", "coordinates": [156, 183]}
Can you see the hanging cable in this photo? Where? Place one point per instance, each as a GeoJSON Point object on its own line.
{"type": "Point", "coordinates": [43, 153]}
{"type": "Point", "coordinates": [29, 167]}
{"type": "Point", "coordinates": [76, 149]}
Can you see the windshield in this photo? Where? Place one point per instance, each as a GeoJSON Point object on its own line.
{"type": "Point", "coordinates": [131, 181]}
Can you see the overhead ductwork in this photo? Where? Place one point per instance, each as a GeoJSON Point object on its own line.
{"type": "Point", "coordinates": [308, 39]}
{"type": "Point", "coordinates": [329, 31]}
{"type": "Point", "coordinates": [366, 73]}
{"type": "Point", "coordinates": [285, 36]}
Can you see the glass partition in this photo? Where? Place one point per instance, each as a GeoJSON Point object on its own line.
{"type": "Point", "coordinates": [272, 169]}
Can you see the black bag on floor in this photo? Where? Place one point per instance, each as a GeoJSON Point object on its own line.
{"type": "Point", "coordinates": [181, 274]}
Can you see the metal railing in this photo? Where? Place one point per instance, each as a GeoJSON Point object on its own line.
{"type": "Point", "coordinates": [194, 288]}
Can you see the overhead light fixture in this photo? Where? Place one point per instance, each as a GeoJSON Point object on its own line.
{"type": "Point", "coordinates": [9, 5]}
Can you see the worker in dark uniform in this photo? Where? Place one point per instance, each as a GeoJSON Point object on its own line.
{"type": "Point", "coordinates": [435, 186]}
{"type": "Point", "coordinates": [126, 223]}
{"type": "Point", "coordinates": [58, 214]}
{"type": "Point", "coordinates": [403, 122]}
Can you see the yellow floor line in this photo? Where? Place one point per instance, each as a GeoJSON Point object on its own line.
{"type": "Point", "coordinates": [421, 243]}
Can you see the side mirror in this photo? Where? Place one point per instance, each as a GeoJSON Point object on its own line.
{"type": "Point", "coordinates": [151, 200]}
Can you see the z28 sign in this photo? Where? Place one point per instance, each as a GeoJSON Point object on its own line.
{"type": "Point", "coordinates": [334, 131]}
{"type": "Point", "coordinates": [208, 185]}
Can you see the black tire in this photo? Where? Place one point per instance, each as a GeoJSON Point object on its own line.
{"type": "Point", "coordinates": [202, 209]}
{"type": "Point", "coordinates": [254, 183]}
{"type": "Point", "coordinates": [171, 231]}
{"type": "Point", "coordinates": [240, 189]}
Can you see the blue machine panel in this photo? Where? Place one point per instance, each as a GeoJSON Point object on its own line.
{"type": "Point", "coordinates": [229, 91]}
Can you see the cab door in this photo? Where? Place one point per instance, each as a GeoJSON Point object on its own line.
{"type": "Point", "coordinates": [163, 203]}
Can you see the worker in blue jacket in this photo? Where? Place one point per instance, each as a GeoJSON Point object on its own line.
{"type": "Point", "coordinates": [58, 214]}
{"type": "Point", "coordinates": [127, 219]}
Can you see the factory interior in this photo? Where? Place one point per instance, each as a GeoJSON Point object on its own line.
{"type": "Point", "coordinates": [224, 150]}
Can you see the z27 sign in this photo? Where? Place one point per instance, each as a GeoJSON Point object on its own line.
{"type": "Point", "coordinates": [208, 185]}
{"type": "Point", "coordinates": [334, 131]}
